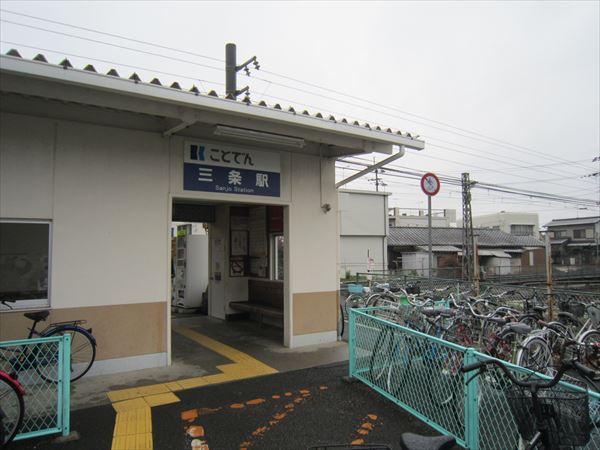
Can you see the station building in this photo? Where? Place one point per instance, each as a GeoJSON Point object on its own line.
{"type": "Point", "coordinates": [94, 170]}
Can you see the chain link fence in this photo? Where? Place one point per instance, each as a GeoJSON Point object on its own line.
{"type": "Point", "coordinates": [421, 374]}
{"type": "Point", "coordinates": [42, 366]}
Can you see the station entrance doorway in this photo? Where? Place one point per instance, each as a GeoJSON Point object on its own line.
{"type": "Point", "coordinates": [228, 268]}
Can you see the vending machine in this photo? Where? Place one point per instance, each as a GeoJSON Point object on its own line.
{"type": "Point", "coordinates": [190, 269]}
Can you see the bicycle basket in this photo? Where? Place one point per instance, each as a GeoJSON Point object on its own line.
{"type": "Point", "coordinates": [565, 412]}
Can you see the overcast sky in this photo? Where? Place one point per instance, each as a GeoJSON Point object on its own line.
{"type": "Point", "coordinates": [507, 91]}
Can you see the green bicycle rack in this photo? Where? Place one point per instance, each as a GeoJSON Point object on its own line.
{"type": "Point", "coordinates": [42, 366]}
{"type": "Point", "coordinates": [420, 373]}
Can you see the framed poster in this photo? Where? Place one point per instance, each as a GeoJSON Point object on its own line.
{"type": "Point", "coordinates": [237, 267]}
{"type": "Point", "coordinates": [239, 243]}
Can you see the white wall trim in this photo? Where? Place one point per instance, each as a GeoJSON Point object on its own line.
{"type": "Point", "coordinates": [313, 339]}
{"type": "Point", "coordinates": [118, 365]}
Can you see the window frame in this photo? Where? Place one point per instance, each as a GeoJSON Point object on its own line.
{"type": "Point", "coordinates": [34, 303]}
{"type": "Point", "coordinates": [273, 256]}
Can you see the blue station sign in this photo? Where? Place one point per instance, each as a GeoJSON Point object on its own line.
{"type": "Point", "coordinates": [216, 168]}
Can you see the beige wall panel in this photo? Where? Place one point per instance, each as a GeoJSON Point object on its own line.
{"type": "Point", "coordinates": [313, 233]}
{"type": "Point", "coordinates": [315, 312]}
{"type": "Point", "coordinates": [26, 167]}
{"type": "Point", "coordinates": [363, 214]}
{"type": "Point", "coordinates": [111, 220]}
{"type": "Point", "coordinates": [120, 330]}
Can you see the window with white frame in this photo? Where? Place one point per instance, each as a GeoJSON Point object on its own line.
{"type": "Point", "coordinates": [24, 263]}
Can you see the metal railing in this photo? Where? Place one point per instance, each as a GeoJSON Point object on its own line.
{"type": "Point", "coordinates": [518, 292]}
{"type": "Point", "coordinates": [42, 366]}
{"type": "Point", "coordinates": [420, 373]}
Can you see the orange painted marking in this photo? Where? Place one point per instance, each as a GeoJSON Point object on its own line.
{"type": "Point", "coordinates": [298, 399]}
{"type": "Point", "coordinates": [196, 431]}
{"type": "Point", "coordinates": [323, 388]}
{"type": "Point", "coordinates": [372, 416]}
{"type": "Point", "coordinates": [189, 415]}
{"type": "Point", "coordinates": [362, 431]}
{"type": "Point", "coordinates": [304, 391]}
{"type": "Point", "coordinates": [256, 401]}
{"type": "Point", "coordinates": [237, 406]}
{"type": "Point", "coordinates": [259, 431]}
{"type": "Point", "coordinates": [367, 426]}
{"type": "Point", "coordinates": [357, 442]}
{"type": "Point", "coordinates": [288, 394]}
{"type": "Point", "coordinates": [276, 396]}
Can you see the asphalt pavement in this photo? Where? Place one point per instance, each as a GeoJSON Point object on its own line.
{"type": "Point", "coordinates": [292, 410]}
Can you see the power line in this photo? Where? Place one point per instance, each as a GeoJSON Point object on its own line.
{"type": "Point", "coordinates": [58, 52]}
{"type": "Point", "coordinates": [429, 144]}
{"type": "Point", "coordinates": [260, 79]}
{"type": "Point", "coordinates": [499, 188]}
{"type": "Point", "coordinates": [118, 36]}
{"type": "Point", "coordinates": [112, 45]}
{"type": "Point", "coordinates": [380, 105]}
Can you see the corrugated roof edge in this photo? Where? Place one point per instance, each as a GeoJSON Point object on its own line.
{"type": "Point", "coordinates": [155, 83]}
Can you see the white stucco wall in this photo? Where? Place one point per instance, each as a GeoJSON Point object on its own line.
{"type": "Point", "coordinates": [108, 193]}
{"type": "Point", "coordinates": [105, 191]}
{"type": "Point", "coordinates": [363, 213]}
{"type": "Point", "coordinates": [354, 251]}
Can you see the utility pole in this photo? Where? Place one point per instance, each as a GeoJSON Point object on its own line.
{"type": "Point", "coordinates": [377, 181]}
{"type": "Point", "coordinates": [231, 70]}
{"type": "Point", "coordinates": [549, 276]}
{"type": "Point", "coordinates": [468, 249]}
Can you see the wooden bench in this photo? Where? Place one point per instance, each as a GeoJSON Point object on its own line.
{"type": "Point", "coordinates": [265, 299]}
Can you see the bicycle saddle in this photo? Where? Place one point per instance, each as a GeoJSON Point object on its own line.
{"type": "Point", "coordinates": [411, 441]}
{"type": "Point", "coordinates": [568, 316]}
{"type": "Point", "coordinates": [38, 315]}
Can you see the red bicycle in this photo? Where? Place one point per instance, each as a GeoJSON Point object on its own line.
{"type": "Point", "coordinates": [12, 407]}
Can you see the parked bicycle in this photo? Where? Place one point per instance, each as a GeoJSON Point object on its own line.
{"type": "Point", "coordinates": [12, 407]}
{"type": "Point", "coordinates": [549, 416]}
{"type": "Point", "coordinates": [83, 348]}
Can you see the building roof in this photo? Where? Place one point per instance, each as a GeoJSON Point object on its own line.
{"type": "Point", "coordinates": [63, 72]}
{"type": "Point", "coordinates": [419, 236]}
{"type": "Point", "coordinates": [573, 221]}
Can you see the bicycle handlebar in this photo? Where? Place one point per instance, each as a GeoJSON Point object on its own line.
{"type": "Point", "coordinates": [566, 365]}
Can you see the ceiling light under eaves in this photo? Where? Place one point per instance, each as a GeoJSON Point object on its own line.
{"type": "Point", "coordinates": [259, 136]}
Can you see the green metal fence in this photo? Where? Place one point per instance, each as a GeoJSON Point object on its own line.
{"type": "Point", "coordinates": [422, 374]}
{"type": "Point", "coordinates": [42, 366]}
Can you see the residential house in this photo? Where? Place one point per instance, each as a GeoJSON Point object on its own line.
{"type": "Point", "coordinates": [575, 241]}
{"type": "Point", "coordinates": [499, 253]}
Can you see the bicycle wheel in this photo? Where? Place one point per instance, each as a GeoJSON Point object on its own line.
{"type": "Point", "coordinates": [400, 364]}
{"type": "Point", "coordinates": [590, 341]}
{"type": "Point", "coordinates": [535, 354]}
{"type": "Point", "coordinates": [381, 356]}
{"type": "Point", "coordinates": [11, 411]}
{"type": "Point", "coordinates": [83, 352]}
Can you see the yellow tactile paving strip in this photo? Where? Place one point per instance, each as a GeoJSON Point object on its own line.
{"type": "Point", "coordinates": [133, 424]}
